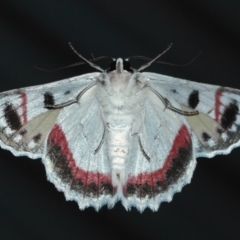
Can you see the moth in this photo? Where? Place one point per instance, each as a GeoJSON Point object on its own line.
{"type": "Point", "coordinates": [120, 134]}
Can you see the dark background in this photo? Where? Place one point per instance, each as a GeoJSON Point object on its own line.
{"type": "Point", "coordinates": [37, 32]}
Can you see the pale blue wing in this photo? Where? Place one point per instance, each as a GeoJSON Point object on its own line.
{"type": "Point", "coordinates": [216, 129]}
{"type": "Point", "coordinates": [24, 119]}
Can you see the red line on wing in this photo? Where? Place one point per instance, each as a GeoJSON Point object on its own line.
{"type": "Point", "coordinates": [182, 140]}
{"type": "Point", "coordinates": [24, 107]}
{"type": "Point", "coordinates": [57, 137]}
{"type": "Point", "coordinates": [217, 105]}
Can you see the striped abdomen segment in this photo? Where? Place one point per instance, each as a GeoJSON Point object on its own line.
{"type": "Point", "coordinates": [118, 143]}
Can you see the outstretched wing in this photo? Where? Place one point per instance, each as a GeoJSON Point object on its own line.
{"type": "Point", "coordinates": [163, 153]}
{"type": "Point", "coordinates": [216, 129]}
{"type": "Point", "coordinates": [70, 140]}
{"type": "Point", "coordinates": [25, 122]}
{"type": "Point", "coordinates": [162, 158]}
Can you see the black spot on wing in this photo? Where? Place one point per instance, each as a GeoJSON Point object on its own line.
{"type": "Point", "coordinates": [67, 92]}
{"type": "Point", "coordinates": [37, 137]}
{"type": "Point", "coordinates": [205, 136]}
{"type": "Point", "coordinates": [12, 117]}
{"type": "Point", "coordinates": [193, 99]}
{"type": "Point", "coordinates": [173, 90]}
{"type": "Point", "coordinates": [48, 99]}
{"type": "Point", "coordinates": [229, 115]}
{"type": "Point", "coordinates": [220, 131]}
{"type": "Point", "coordinates": [23, 132]}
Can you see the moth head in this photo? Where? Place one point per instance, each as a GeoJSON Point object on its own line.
{"type": "Point", "coordinates": [120, 65]}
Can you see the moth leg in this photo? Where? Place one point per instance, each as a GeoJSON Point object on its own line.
{"type": "Point", "coordinates": [100, 144]}
{"type": "Point", "coordinates": [168, 105]}
{"type": "Point", "coordinates": [70, 102]}
{"type": "Point", "coordinates": [143, 151]}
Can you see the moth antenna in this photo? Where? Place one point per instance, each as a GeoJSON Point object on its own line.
{"type": "Point", "coordinates": [85, 60]}
{"type": "Point", "coordinates": [76, 64]}
{"type": "Point", "coordinates": [163, 62]}
{"type": "Point", "coordinates": [56, 69]}
{"type": "Point", "coordinates": [93, 58]}
{"type": "Point", "coordinates": [181, 65]}
{"type": "Point", "coordinates": [155, 59]}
